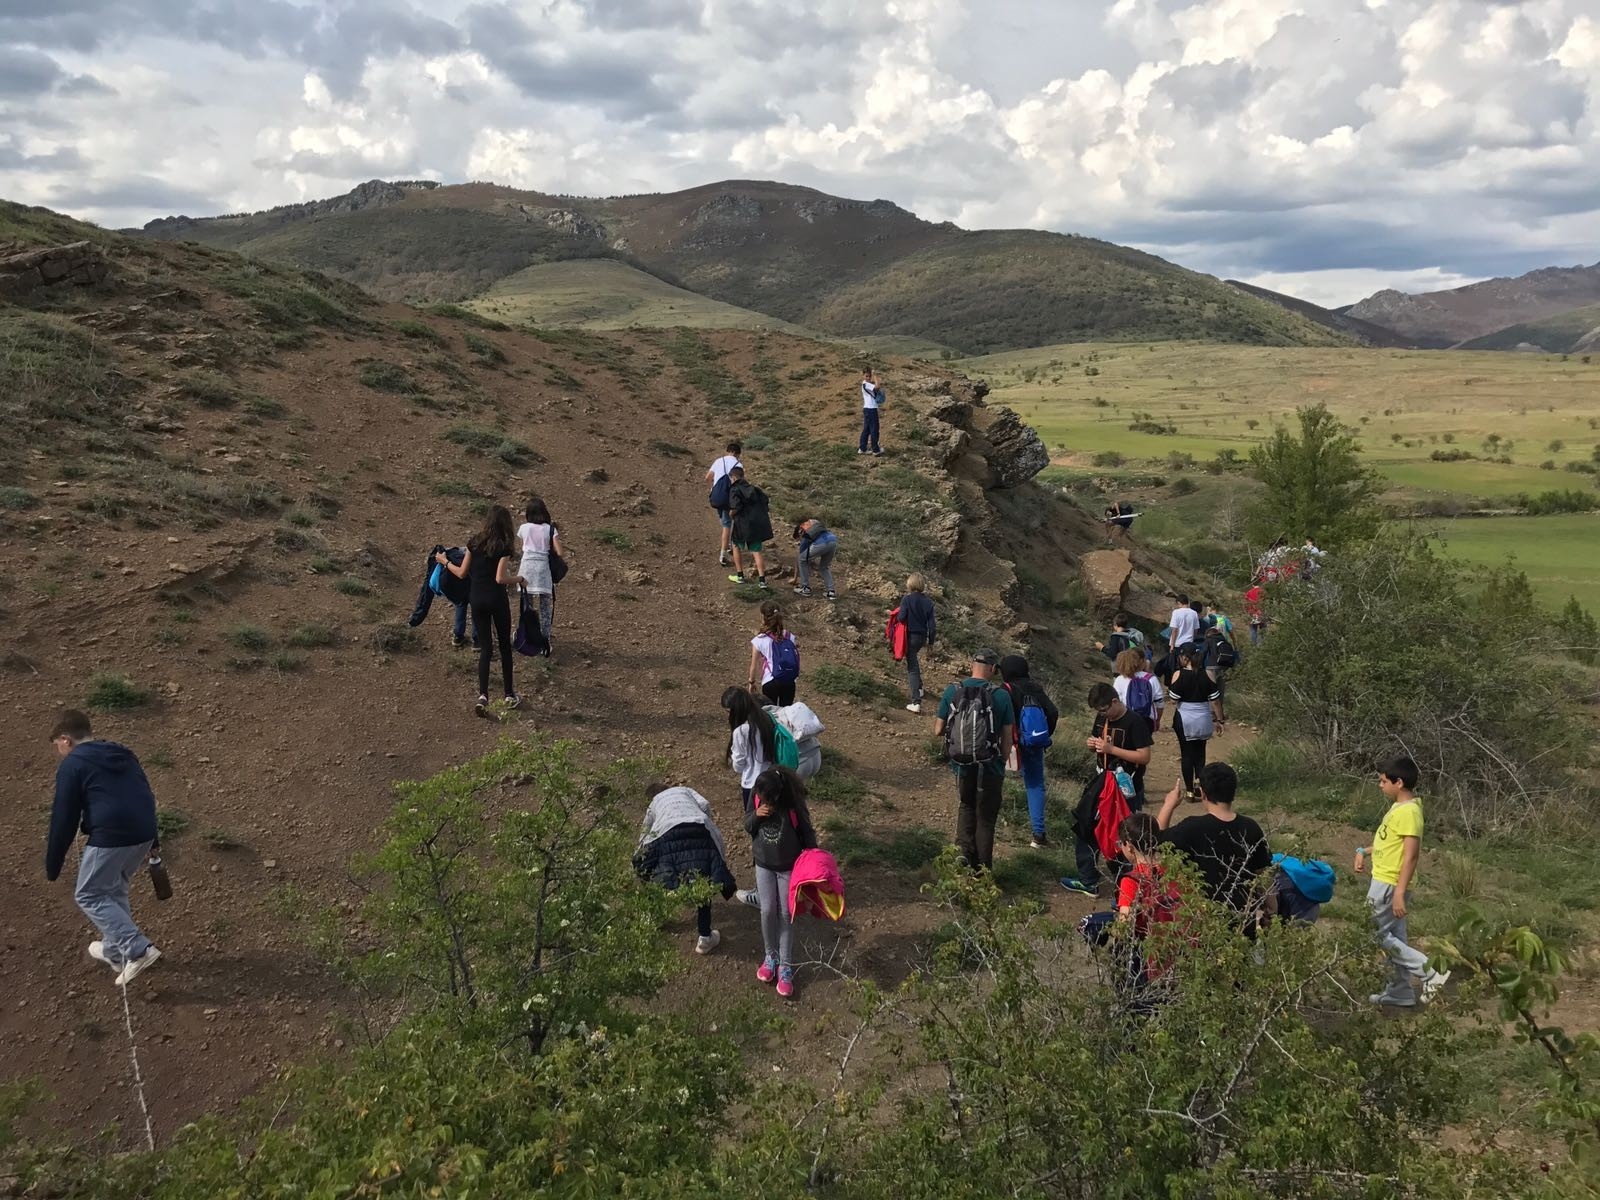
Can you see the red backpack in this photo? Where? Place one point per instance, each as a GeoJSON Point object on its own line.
{"type": "Point", "coordinates": [894, 632]}
{"type": "Point", "coordinates": [1109, 815]}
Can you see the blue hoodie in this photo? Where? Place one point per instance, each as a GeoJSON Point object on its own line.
{"type": "Point", "coordinates": [102, 789]}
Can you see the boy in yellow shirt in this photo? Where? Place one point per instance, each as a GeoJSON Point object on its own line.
{"type": "Point", "coordinates": [1394, 853]}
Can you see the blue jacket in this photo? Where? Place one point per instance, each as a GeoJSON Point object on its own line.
{"type": "Point", "coordinates": [819, 537]}
{"type": "Point", "coordinates": [681, 853]}
{"type": "Point", "coordinates": [916, 611]}
{"type": "Point", "coordinates": [101, 789]}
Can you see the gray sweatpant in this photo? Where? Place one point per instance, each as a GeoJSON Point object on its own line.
{"type": "Point", "coordinates": [102, 893]}
{"type": "Point", "coordinates": [820, 557]}
{"type": "Point", "coordinates": [777, 931]}
{"type": "Point", "coordinates": [1404, 960]}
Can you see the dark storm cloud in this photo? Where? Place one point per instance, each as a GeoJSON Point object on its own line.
{"type": "Point", "coordinates": [25, 72]}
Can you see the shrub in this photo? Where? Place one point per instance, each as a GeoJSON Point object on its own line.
{"type": "Point", "coordinates": [351, 587]}
{"type": "Point", "coordinates": [419, 331]}
{"type": "Point", "coordinates": [614, 537]}
{"type": "Point", "coordinates": [250, 637]}
{"type": "Point", "coordinates": [478, 440]}
{"type": "Point", "coordinates": [208, 389]}
{"type": "Point", "coordinates": [393, 639]}
{"type": "Point", "coordinates": [264, 406]}
{"type": "Point", "coordinates": [16, 498]}
{"type": "Point", "coordinates": [456, 313]}
{"type": "Point", "coordinates": [1316, 484]}
{"type": "Point", "coordinates": [389, 377]}
{"type": "Point", "coordinates": [833, 680]}
{"type": "Point", "coordinates": [287, 662]}
{"type": "Point", "coordinates": [1108, 458]}
{"type": "Point", "coordinates": [312, 636]}
{"type": "Point", "coordinates": [110, 693]}
{"type": "Point", "coordinates": [170, 823]}
{"type": "Point", "coordinates": [1457, 455]}
{"type": "Point", "coordinates": [486, 351]}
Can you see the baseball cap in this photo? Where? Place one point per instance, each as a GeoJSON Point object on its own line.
{"type": "Point", "coordinates": [987, 656]}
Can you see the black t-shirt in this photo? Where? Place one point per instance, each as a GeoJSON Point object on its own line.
{"type": "Point", "coordinates": [1130, 731]}
{"type": "Point", "coordinates": [1193, 686]}
{"type": "Point", "coordinates": [1229, 854]}
{"type": "Point", "coordinates": [485, 593]}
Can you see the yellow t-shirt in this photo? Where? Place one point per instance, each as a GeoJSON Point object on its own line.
{"type": "Point", "coordinates": [1403, 820]}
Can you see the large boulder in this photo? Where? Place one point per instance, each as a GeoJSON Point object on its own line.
{"type": "Point", "coordinates": [1015, 451]}
{"type": "Point", "coordinates": [78, 264]}
{"type": "Point", "coordinates": [1105, 575]}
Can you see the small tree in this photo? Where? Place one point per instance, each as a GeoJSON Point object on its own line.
{"type": "Point", "coordinates": [1315, 484]}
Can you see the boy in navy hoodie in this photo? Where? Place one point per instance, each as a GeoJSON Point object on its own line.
{"type": "Point", "coordinates": [102, 789]}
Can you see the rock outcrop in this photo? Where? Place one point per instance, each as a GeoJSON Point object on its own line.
{"type": "Point", "coordinates": [77, 264]}
{"type": "Point", "coordinates": [1105, 575]}
{"type": "Point", "coordinates": [963, 429]}
{"type": "Point", "coordinates": [1015, 451]}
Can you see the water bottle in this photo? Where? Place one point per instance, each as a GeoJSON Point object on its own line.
{"type": "Point", "coordinates": [1124, 783]}
{"type": "Point", "coordinates": [159, 877]}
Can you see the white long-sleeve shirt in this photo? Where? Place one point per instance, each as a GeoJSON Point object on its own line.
{"type": "Point", "coordinates": [871, 394]}
{"type": "Point", "coordinates": [749, 757]}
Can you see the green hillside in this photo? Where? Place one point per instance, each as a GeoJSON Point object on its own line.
{"type": "Point", "coordinates": [1577, 329]}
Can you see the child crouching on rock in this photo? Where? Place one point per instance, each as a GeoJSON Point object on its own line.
{"type": "Point", "coordinates": [780, 829]}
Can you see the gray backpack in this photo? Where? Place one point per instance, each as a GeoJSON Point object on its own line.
{"type": "Point", "coordinates": [970, 737]}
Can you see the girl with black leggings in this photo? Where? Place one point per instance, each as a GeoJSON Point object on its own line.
{"type": "Point", "coordinates": [1198, 716]}
{"type": "Point", "coordinates": [487, 567]}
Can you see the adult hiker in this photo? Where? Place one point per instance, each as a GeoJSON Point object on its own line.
{"type": "Point", "coordinates": [1120, 739]}
{"type": "Point", "coordinates": [752, 739]}
{"type": "Point", "coordinates": [539, 539]}
{"type": "Point", "coordinates": [975, 722]}
{"type": "Point", "coordinates": [752, 526]}
{"type": "Point", "coordinates": [1197, 702]}
{"type": "Point", "coordinates": [1183, 626]}
{"type": "Point", "coordinates": [872, 398]}
{"type": "Point", "coordinates": [815, 547]}
{"type": "Point", "coordinates": [1229, 849]}
{"type": "Point", "coordinates": [487, 567]}
{"type": "Point", "coordinates": [1119, 519]}
{"type": "Point", "coordinates": [774, 658]}
{"type": "Point", "coordinates": [102, 790]}
{"type": "Point", "coordinates": [921, 623]}
{"type": "Point", "coordinates": [679, 842]}
{"type": "Point", "coordinates": [1035, 728]}
{"type": "Point", "coordinates": [1123, 637]}
{"type": "Point", "coordinates": [716, 480]}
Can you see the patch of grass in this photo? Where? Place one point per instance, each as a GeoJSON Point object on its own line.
{"type": "Point", "coordinates": [300, 517]}
{"type": "Point", "coordinates": [702, 369]}
{"type": "Point", "coordinates": [834, 785]}
{"type": "Point", "coordinates": [419, 330]}
{"type": "Point", "coordinates": [670, 449]}
{"type": "Point", "coordinates": [455, 487]}
{"type": "Point", "coordinates": [169, 638]}
{"type": "Point", "coordinates": [208, 496]}
{"type": "Point", "coordinates": [265, 406]}
{"type": "Point", "coordinates": [456, 313]}
{"type": "Point", "coordinates": [292, 301]}
{"type": "Point", "coordinates": [52, 370]}
{"type": "Point", "coordinates": [170, 823]}
{"type": "Point", "coordinates": [900, 849]}
{"type": "Point", "coordinates": [219, 839]}
{"type": "Point", "coordinates": [478, 440]}
{"type": "Point", "coordinates": [393, 639]}
{"type": "Point", "coordinates": [311, 636]}
{"type": "Point", "coordinates": [831, 679]}
{"type": "Point", "coordinates": [250, 637]}
{"type": "Point", "coordinates": [484, 350]}
{"type": "Point", "coordinates": [17, 499]}
{"type": "Point", "coordinates": [351, 587]}
{"type": "Point", "coordinates": [158, 757]}
{"type": "Point", "coordinates": [208, 389]}
{"type": "Point", "coordinates": [390, 377]}
{"type": "Point", "coordinates": [111, 693]}
{"type": "Point", "coordinates": [287, 661]}
{"type": "Point", "coordinates": [322, 564]}
{"type": "Point", "coordinates": [614, 537]}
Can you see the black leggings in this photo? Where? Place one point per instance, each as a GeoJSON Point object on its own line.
{"type": "Point", "coordinates": [1191, 753]}
{"type": "Point", "coordinates": [498, 612]}
{"type": "Point", "coordinates": [781, 694]}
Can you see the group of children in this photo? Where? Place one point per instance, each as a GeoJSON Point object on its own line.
{"type": "Point", "coordinates": [744, 519]}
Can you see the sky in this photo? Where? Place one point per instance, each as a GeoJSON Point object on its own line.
{"type": "Point", "coordinates": [1327, 148]}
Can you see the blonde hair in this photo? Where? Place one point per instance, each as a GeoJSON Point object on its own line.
{"type": "Point", "coordinates": [915, 582]}
{"type": "Point", "coordinates": [1129, 663]}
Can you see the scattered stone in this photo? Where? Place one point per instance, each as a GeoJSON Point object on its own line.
{"type": "Point", "coordinates": [598, 475]}
{"type": "Point", "coordinates": [269, 863]}
{"type": "Point", "coordinates": [638, 576]}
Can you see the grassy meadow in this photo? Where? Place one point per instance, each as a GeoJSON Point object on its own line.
{"type": "Point", "coordinates": [1407, 405]}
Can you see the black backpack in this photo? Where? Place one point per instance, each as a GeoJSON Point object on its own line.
{"type": "Point", "coordinates": [970, 737]}
{"type": "Point", "coordinates": [1219, 650]}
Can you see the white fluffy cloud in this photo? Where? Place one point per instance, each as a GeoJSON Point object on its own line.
{"type": "Point", "coordinates": [1327, 147]}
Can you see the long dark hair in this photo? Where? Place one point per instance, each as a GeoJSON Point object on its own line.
{"type": "Point", "coordinates": [537, 513]}
{"type": "Point", "coordinates": [779, 787]}
{"type": "Point", "coordinates": [772, 620]}
{"type": "Point", "coordinates": [496, 537]}
{"type": "Point", "coordinates": [743, 710]}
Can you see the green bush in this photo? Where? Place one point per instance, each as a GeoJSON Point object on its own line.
{"type": "Point", "coordinates": [351, 587]}
{"type": "Point", "coordinates": [311, 636]}
{"type": "Point", "coordinates": [208, 388]}
{"type": "Point", "coordinates": [110, 693]}
{"type": "Point", "coordinates": [265, 406]}
{"type": "Point", "coordinates": [16, 498]}
{"type": "Point", "coordinates": [486, 351]}
{"type": "Point", "coordinates": [831, 679]}
{"type": "Point", "coordinates": [390, 377]}
{"type": "Point", "coordinates": [419, 331]}
{"type": "Point", "coordinates": [250, 637]}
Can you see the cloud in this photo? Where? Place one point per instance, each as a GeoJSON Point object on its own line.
{"type": "Point", "coordinates": [1335, 143]}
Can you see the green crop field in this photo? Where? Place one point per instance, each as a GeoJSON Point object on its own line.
{"type": "Point", "coordinates": [1560, 554]}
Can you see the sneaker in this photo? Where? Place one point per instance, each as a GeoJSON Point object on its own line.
{"type": "Point", "coordinates": [828, 595]}
{"type": "Point", "coordinates": [735, 578]}
{"type": "Point", "coordinates": [1434, 984]}
{"type": "Point", "coordinates": [877, 454]}
{"type": "Point", "coordinates": [762, 583]}
{"type": "Point", "coordinates": [1038, 842]}
{"type": "Point", "coordinates": [1384, 1000]}
{"type": "Point", "coordinates": [747, 896]}
{"type": "Point", "coordinates": [513, 701]}
{"type": "Point", "coordinates": [725, 559]}
{"type": "Point", "coordinates": [786, 982]}
{"type": "Point", "coordinates": [97, 951]}
{"type": "Point", "coordinates": [1073, 884]}
{"type": "Point", "coordinates": [460, 643]}
{"type": "Point", "coordinates": [803, 591]}
{"type": "Point", "coordinates": [708, 943]}
{"type": "Point", "coordinates": [131, 971]}
{"type": "Point", "coordinates": [916, 708]}
{"type": "Point", "coordinates": [482, 706]}
{"type": "Point", "coordinates": [860, 451]}
{"type": "Point", "coordinates": [768, 970]}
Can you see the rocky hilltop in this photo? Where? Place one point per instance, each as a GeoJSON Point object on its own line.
{"type": "Point", "coordinates": [1458, 315]}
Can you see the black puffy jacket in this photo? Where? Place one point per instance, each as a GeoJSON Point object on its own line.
{"type": "Point", "coordinates": [681, 853]}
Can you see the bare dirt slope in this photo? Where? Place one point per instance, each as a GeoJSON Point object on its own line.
{"type": "Point", "coordinates": [221, 488]}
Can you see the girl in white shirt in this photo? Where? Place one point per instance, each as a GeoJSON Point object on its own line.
{"type": "Point", "coordinates": [779, 692]}
{"type": "Point", "coordinates": [538, 538]}
{"type": "Point", "coordinates": [752, 741]}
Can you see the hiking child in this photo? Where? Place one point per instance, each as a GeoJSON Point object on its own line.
{"type": "Point", "coordinates": [680, 840]}
{"type": "Point", "coordinates": [1255, 609]}
{"type": "Point", "coordinates": [716, 473]}
{"type": "Point", "coordinates": [1139, 689]}
{"type": "Point", "coordinates": [774, 659]}
{"type": "Point", "coordinates": [1183, 626]}
{"type": "Point", "coordinates": [780, 828]}
{"type": "Point", "coordinates": [539, 538]}
{"type": "Point", "coordinates": [487, 567]}
{"type": "Point", "coordinates": [921, 626]}
{"type": "Point", "coordinates": [1035, 727]}
{"type": "Point", "coordinates": [1123, 637]}
{"type": "Point", "coordinates": [1227, 848]}
{"type": "Point", "coordinates": [816, 546]}
{"type": "Point", "coordinates": [872, 398]}
{"type": "Point", "coordinates": [1144, 896]}
{"type": "Point", "coordinates": [1197, 702]}
{"type": "Point", "coordinates": [1394, 855]}
{"type": "Point", "coordinates": [975, 721]}
{"type": "Point", "coordinates": [1121, 741]}
{"type": "Point", "coordinates": [1119, 520]}
{"type": "Point", "coordinates": [102, 790]}
{"type": "Point", "coordinates": [752, 741]}
{"type": "Point", "coordinates": [752, 525]}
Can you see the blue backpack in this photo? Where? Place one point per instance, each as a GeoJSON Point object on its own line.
{"type": "Point", "coordinates": [1033, 727]}
{"type": "Point", "coordinates": [719, 493]}
{"type": "Point", "coordinates": [785, 660]}
{"type": "Point", "coordinates": [1140, 698]}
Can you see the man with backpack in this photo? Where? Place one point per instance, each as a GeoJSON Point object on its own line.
{"type": "Point", "coordinates": [752, 525]}
{"type": "Point", "coordinates": [975, 721]}
{"type": "Point", "coordinates": [1121, 742]}
{"type": "Point", "coordinates": [1221, 655]}
{"type": "Point", "coordinates": [872, 398]}
{"type": "Point", "coordinates": [1036, 726]}
{"type": "Point", "coordinates": [717, 480]}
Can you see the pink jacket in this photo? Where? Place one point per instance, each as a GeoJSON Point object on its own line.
{"type": "Point", "coordinates": [815, 886]}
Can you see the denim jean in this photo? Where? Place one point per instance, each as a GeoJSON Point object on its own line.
{"type": "Point", "coordinates": [820, 557]}
{"type": "Point", "coordinates": [869, 429]}
{"type": "Point", "coordinates": [1030, 759]}
{"type": "Point", "coordinates": [914, 645]}
{"type": "Point", "coordinates": [460, 630]}
{"type": "Point", "coordinates": [104, 873]}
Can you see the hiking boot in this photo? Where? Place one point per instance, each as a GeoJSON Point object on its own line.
{"type": "Point", "coordinates": [1384, 1000]}
{"type": "Point", "coordinates": [1073, 884]}
{"type": "Point", "coordinates": [828, 595]}
{"type": "Point", "coordinates": [803, 591]}
{"type": "Point", "coordinates": [736, 578]}
{"type": "Point", "coordinates": [131, 971]}
{"type": "Point", "coordinates": [1434, 984]}
{"type": "Point", "coordinates": [747, 896]}
{"type": "Point", "coordinates": [786, 982]}
{"type": "Point", "coordinates": [768, 970]}
{"type": "Point", "coordinates": [915, 706]}
{"type": "Point", "coordinates": [762, 583]}
{"type": "Point", "coordinates": [708, 943]}
{"type": "Point", "coordinates": [459, 643]}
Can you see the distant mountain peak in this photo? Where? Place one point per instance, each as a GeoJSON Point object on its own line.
{"type": "Point", "coordinates": [1475, 310]}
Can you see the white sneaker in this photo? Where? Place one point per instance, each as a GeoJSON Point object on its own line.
{"type": "Point", "coordinates": [1433, 984]}
{"type": "Point", "coordinates": [97, 951]}
{"type": "Point", "coordinates": [916, 708]}
{"type": "Point", "coordinates": [747, 896]}
{"type": "Point", "coordinates": [706, 945]}
{"type": "Point", "coordinates": [131, 972]}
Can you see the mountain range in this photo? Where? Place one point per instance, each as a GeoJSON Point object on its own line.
{"type": "Point", "coordinates": [1497, 314]}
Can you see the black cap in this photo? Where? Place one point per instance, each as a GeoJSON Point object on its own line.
{"type": "Point", "coordinates": [987, 656]}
